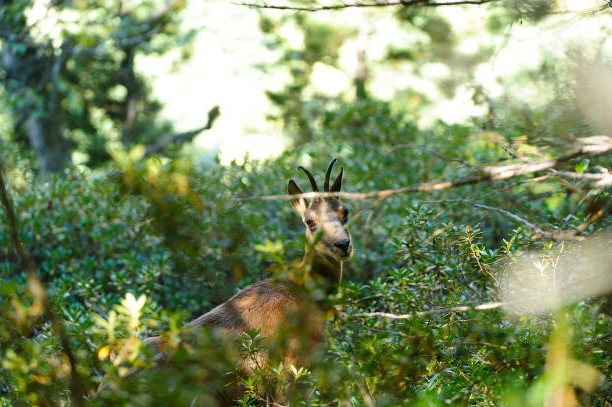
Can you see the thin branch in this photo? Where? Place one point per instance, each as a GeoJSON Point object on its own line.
{"type": "Point", "coordinates": [559, 291]}
{"type": "Point", "coordinates": [460, 308]}
{"type": "Point", "coordinates": [586, 146]}
{"type": "Point", "coordinates": [179, 138]}
{"type": "Point", "coordinates": [572, 234]}
{"type": "Point", "coordinates": [432, 151]}
{"type": "Point", "coordinates": [41, 300]}
{"type": "Point", "coordinates": [10, 36]}
{"type": "Point", "coordinates": [603, 179]}
{"type": "Point", "coordinates": [378, 3]}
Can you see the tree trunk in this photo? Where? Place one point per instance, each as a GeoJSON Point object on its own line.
{"type": "Point", "coordinates": [131, 105]}
{"type": "Point", "coordinates": [48, 143]}
{"type": "Point", "coordinates": [37, 72]}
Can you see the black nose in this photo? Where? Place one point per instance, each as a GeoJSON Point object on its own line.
{"type": "Point", "coordinates": [343, 245]}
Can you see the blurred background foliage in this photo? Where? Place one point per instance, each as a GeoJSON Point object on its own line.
{"type": "Point", "coordinates": [130, 244]}
{"type": "Point", "coordinates": [69, 75]}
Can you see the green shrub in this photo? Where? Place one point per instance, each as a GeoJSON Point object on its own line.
{"type": "Point", "coordinates": [168, 241]}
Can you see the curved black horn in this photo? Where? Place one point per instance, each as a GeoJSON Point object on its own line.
{"type": "Point", "coordinates": [328, 173]}
{"type": "Point", "coordinates": [313, 183]}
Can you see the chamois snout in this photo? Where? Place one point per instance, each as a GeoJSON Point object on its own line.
{"type": "Point", "coordinates": [345, 246]}
{"type": "Point", "coordinates": [342, 248]}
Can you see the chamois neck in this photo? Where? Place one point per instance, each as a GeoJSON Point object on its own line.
{"type": "Point", "coordinates": [328, 268]}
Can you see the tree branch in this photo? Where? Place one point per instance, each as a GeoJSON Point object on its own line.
{"type": "Point", "coordinates": [41, 300]}
{"type": "Point", "coordinates": [601, 180]}
{"type": "Point", "coordinates": [180, 138]}
{"type": "Point", "coordinates": [376, 3]}
{"type": "Point", "coordinates": [460, 308]}
{"type": "Point", "coordinates": [565, 291]}
{"type": "Point", "coordinates": [586, 146]}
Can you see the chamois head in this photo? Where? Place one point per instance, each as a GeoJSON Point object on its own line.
{"type": "Point", "coordinates": [327, 216]}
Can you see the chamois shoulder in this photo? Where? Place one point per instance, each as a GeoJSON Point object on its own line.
{"type": "Point", "coordinates": [263, 306]}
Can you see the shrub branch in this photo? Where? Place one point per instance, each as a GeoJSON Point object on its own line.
{"type": "Point", "coordinates": [355, 4]}
{"type": "Point", "coordinates": [460, 308]}
{"type": "Point", "coordinates": [540, 233]}
{"type": "Point", "coordinates": [41, 300]}
{"type": "Point", "coordinates": [184, 137]}
{"type": "Point", "coordinates": [586, 146]}
{"type": "Point", "coordinates": [562, 292]}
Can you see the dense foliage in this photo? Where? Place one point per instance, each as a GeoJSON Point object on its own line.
{"type": "Point", "coordinates": [486, 293]}
{"type": "Point", "coordinates": [125, 254]}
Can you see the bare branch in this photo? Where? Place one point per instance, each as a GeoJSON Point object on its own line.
{"type": "Point", "coordinates": [376, 3]}
{"type": "Point", "coordinates": [460, 308]}
{"type": "Point", "coordinates": [573, 289]}
{"type": "Point", "coordinates": [572, 234]}
{"type": "Point", "coordinates": [586, 146]}
{"type": "Point", "coordinates": [168, 140]}
{"type": "Point", "coordinates": [602, 180]}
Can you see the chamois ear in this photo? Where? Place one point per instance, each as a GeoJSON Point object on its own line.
{"type": "Point", "coordinates": [337, 185]}
{"type": "Point", "coordinates": [298, 203]}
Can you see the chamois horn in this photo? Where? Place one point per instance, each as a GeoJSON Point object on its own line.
{"type": "Point", "coordinates": [328, 173]}
{"type": "Point", "coordinates": [313, 183]}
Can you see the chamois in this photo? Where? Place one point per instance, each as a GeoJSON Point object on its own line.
{"type": "Point", "coordinates": [286, 316]}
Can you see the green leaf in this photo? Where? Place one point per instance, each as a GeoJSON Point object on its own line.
{"type": "Point", "coordinates": [270, 247]}
{"type": "Point", "coordinates": [582, 166]}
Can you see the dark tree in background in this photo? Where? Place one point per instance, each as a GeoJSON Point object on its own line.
{"type": "Point", "coordinates": [70, 79]}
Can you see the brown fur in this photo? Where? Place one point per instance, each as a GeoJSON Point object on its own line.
{"type": "Point", "coordinates": [274, 309]}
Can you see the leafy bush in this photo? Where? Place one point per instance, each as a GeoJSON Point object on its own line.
{"type": "Point", "coordinates": [137, 249]}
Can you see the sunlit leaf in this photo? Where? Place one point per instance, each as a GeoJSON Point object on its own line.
{"type": "Point", "coordinates": [582, 166]}
{"type": "Point", "coordinates": [103, 353]}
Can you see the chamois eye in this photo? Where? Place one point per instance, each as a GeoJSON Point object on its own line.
{"type": "Point", "coordinates": [345, 213]}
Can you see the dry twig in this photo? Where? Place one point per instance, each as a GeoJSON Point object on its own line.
{"type": "Point", "coordinates": [376, 3]}
{"type": "Point", "coordinates": [460, 308]}
{"type": "Point", "coordinates": [587, 146]}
